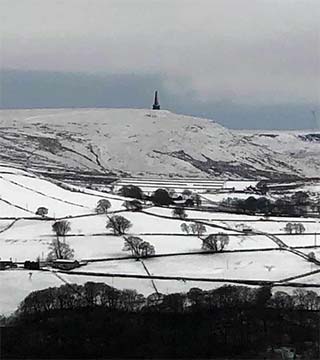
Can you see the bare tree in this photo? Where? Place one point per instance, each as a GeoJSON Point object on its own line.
{"type": "Point", "coordinates": [197, 200]}
{"type": "Point", "coordinates": [146, 249]}
{"type": "Point", "coordinates": [179, 212]}
{"type": "Point", "coordinates": [185, 228]}
{"type": "Point", "coordinates": [289, 228]}
{"type": "Point", "coordinates": [103, 206]}
{"type": "Point", "coordinates": [215, 242]}
{"type": "Point", "coordinates": [60, 250]}
{"type": "Point", "coordinates": [281, 300]}
{"type": "Point", "coordinates": [198, 229]}
{"type": "Point", "coordinates": [132, 243]}
{"type": "Point", "coordinates": [118, 224]}
{"type": "Point", "coordinates": [61, 228]}
{"type": "Point", "coordinates": [138, 247]}
{"type": "Point", "coordinates": [299, 228]}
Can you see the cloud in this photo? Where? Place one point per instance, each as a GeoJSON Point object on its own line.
{"type": "Point", "coordinates": [247, 51]}
{"type": "Point", "coordinates": [44, 89]}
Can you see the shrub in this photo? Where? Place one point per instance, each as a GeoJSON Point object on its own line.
{"type": "Point", "coordinates": [42, 211]}
{"type": "Point", "coordinates": [311, 255]}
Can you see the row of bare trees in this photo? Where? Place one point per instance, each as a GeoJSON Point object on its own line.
{"type": "Point", "coordinates": [227, 296]}
{"type": "Point", "coordinates": [226, 322]}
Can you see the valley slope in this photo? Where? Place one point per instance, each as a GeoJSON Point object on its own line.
{"type": "Point", "coordinates": [144, 142]}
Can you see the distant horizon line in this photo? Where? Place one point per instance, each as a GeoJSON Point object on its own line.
{"type": "Point", "coordinates": [307, 130]}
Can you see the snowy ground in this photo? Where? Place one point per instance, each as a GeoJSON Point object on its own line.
{"type": "Point", "coordinates": [273, 265]}
{"type": "Point", "coordinates": [25, 236]}
{"type": "Point", "coordinates": [15, 285]}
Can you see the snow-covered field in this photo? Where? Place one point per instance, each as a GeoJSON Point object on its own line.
{"type": "Point", "coordinates": [25, 236]}
{"type": "Point", "coordinates": [26, 194]}
{"type": "Point", "coordinates": [15, 285]}
{"type": "Point", "coordinates": [271, 265]}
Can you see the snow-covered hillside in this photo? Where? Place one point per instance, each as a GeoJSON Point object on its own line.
{"type": "Point", "coordinates": [22, 193]}
{"type": "Point", "coordinates": [139, 142]}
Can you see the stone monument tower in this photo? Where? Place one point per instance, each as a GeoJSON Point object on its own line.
{"type": "Point", "coordinates": [156, 104]}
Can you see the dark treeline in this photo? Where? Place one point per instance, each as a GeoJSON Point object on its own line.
{"type": "Point", "coordinates": [98, 321]}
{"type": "Point", "coordinates": [298, 204]}
{"type": "Point", "coordinates": [162, 197]}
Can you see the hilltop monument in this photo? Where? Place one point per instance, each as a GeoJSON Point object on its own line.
{"type": "Point", "coordinates": [156, 104]}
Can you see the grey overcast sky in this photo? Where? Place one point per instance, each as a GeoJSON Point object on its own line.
{"type": "Point", "coordinates": [248, 54]}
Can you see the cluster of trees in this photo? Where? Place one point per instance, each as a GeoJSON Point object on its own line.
{"type": "Point", "coordinates": [161, 197]}
{"type": "Point", "coordinates": [60, 249]}
{"type": "Point", "coordinates": [297, 228]}
{"type": "Point", "coordinates": [104, 205]}
{"type": "Point", "coordinates": [76, 296]}
{"type": "Point", "coordinates": [194, 228]}
{"type": "Point", "coordinates": [228, 322]}
{"type": "Point", "coordinates": [138, 247]}
{"type": "Point", "coordinates": [132, 191]}
{"type": "Point", "coordinates": [296, 205]}
{"type": "Point", "coordinates": [72, 296]}
{"type": "Point", "coordinates": [212, 242]}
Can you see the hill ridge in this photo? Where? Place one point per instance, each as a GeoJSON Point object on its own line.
{"type": "Point", "coordinates": [142, 142]}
